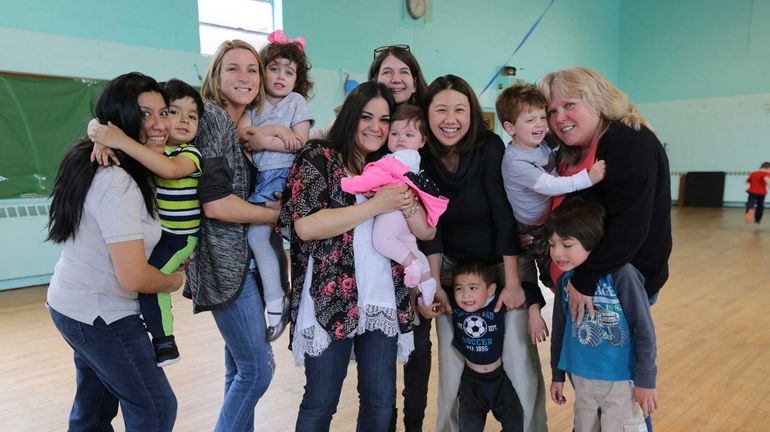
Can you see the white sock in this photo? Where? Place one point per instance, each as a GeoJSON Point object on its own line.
{"type": "Point", "coordinates": [428, 290]}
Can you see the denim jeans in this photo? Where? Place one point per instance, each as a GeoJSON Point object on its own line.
{"type": "Point", "coordinates": [376, 364]}
{"type": "Point", "coordinates": [115, 363]}
{"type": "Point", "coordinates": [268, 182]}
{"type": "Point", "coordinates": [249, 362]}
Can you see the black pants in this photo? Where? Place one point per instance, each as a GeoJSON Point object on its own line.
{"type": "Point", "coordinates": [481, 393]}
{"type": "Point", "coordinates": [758, 201]}
{"type": "Point", "coordinates": [416, 376]}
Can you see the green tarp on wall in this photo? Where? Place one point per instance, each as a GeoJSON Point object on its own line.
{"type": "Point", "coordinates": [39, 119]}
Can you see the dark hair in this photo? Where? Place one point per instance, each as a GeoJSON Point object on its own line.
{"type": "Point", "coordinates": [294, 52]}
{"type": "Point", "coordinates": [118, 104]}
{"type": "Point", "coordinates": [477, 131]}
{"type": "Point", "coordinates": [765, 165]}
{"type": "Point", "coordinates": [578, 218]}
{"type": "Point", "coordinates": [518, 99]}
{"type": "Point", "coordinates": [403, 54]}
{"type": "Point", "coordinates": [342, 133]}
{"type": "Point", "coordinates": [411, 113]}
{"type": "Point", "coordinates": [176, 89]}
{"type": "Point", "coordinates": [485, 271]}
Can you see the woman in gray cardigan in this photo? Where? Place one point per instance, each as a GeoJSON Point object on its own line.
{"type": "Point", "coordinates": [219, 278]}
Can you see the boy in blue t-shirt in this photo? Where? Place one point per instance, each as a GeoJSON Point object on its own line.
{"type": "Point", "coordinates": [478, 336]}
{"type": "Point", "coordinates": [610, 358]}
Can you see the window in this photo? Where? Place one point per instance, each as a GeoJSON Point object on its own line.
{"type": "Point", "coordinates": [249, 20]}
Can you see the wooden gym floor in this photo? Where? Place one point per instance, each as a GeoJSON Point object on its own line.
{"type": "Point", "coordinates": [711, 321]}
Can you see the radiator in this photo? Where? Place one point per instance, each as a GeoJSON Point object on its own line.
{"type": "Point", "coordinates": [26, 259]}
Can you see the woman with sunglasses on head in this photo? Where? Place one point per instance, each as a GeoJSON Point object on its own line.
{"type": "Point", "coordinates": [397, 68]}
{"type": "Point", "coordinates": [464, 158]}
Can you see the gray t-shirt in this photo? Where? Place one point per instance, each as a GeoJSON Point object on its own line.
{"type": "Point", "coordinates": [84, 285]}
{"type": "Point", "coordinates": [288, 112]}
{"type": "Point", "coordinates": [530, 180]}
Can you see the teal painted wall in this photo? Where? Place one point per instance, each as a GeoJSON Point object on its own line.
{"type": "Point", "coordinates": [698, 69]}
{"type": "Point", "coordinates": [102, 39]}
{"type": "Point", "coordinates": [98, 39]}
{"type": "Point", "coordinates": [168, 24]}
{"type": "Point", "coordinates": [469, 39]}
{"type": "Point", "coordinates": [694, 48]}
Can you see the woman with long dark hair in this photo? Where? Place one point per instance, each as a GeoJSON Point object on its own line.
{"type": "Point", "coordinates": [345, 295]}
{"type": "Point", "coordinates": [464, 158]}
{"type": "Point", "coordinates": [106, 219]}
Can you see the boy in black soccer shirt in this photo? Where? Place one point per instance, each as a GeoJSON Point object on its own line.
{"type": "Point", "coordinates": [478, 336]}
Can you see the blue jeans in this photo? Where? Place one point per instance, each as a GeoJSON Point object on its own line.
{"type": "Point", "coordinates": [376, 362]}
{"type": "Point", "coordinates": [249, 362]}
{"type": "Point", "coordinates": [269, 182]}
{"type": "Point", "coordinates": [115, 363]}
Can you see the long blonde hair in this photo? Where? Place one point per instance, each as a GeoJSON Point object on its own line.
{"type": "Point", "coordinates": [210, 88]}
{"type": "Point", "coordinates": [600, 94]}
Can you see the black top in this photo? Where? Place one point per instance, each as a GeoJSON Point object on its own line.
{"type": "Point", "coordinates": [479, 221]}
{"type": "Point", "coordinates": [479, 335]}
{"type": "Point", "coordinates": [636, 192]}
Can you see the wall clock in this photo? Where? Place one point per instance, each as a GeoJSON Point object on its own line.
{"type": "Point", "coordinates": [416, 8]}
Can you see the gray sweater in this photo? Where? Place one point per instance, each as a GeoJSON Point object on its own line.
{"type": "Point", "coordinates": [216, 275]}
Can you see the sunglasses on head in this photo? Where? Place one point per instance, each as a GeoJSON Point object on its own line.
{"type": "Point", "coordinates": [381, 49]}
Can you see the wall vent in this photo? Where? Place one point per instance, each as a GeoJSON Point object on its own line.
{"type": "Point", "coordinates": [23, 232]}
{"type": "Point", "coordinates": [14, 211]}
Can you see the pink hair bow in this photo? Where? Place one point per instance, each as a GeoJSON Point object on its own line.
{"type": "Point", "coordinates": [278, 37]}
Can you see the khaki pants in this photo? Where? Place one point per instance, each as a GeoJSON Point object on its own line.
{"type": "Point", "coordinates": [619, 412]}
{"type": "Point", "coordinates": [520, 361]}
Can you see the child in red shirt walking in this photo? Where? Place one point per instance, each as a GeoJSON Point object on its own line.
{"type": "Point", "coordinates": [758, 182]}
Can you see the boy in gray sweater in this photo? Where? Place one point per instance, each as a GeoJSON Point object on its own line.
{"type": "Point", "coordinates": [529, 173]}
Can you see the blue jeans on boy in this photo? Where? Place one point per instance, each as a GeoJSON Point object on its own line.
{"type": "Point", "coordinates": [249, 362]}
{"type": "Point", "coordinates": [376, 364]}
{"type": "Point", "coordinates": [116, 363]}
{"type": "Point", "coordinates": [267, 184]}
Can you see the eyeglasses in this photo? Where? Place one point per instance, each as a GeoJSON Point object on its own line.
{"type": "Point", "coordinates": [385, 48]}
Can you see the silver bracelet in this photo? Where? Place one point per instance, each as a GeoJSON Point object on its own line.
{"type": "Point", "coordinates": [410, 211]}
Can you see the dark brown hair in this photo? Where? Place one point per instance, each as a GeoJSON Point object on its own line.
{"type": "Point", "coordinates": [412, 114]}
{"type": "Point", "coordinates": [341, 136]}
{"type": "Point", "coordinates": [486, 272]}
{"type": "Point", "coordinates": [477, 132]}
{"type": "Point", "coordinates": [578, 218]}
{"type": "Point", "coordinates": [294, 52]}
{"type": "Point", "coordinates": [408, 58]}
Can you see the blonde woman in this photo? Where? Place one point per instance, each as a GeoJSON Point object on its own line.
{"type": "Point", "coordinates": [220, 279]}
{"type": "Point", "coordinates": [595, 121]}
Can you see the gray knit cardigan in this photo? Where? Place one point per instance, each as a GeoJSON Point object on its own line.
{"type": "Point", "coordinates": [216, 275]}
